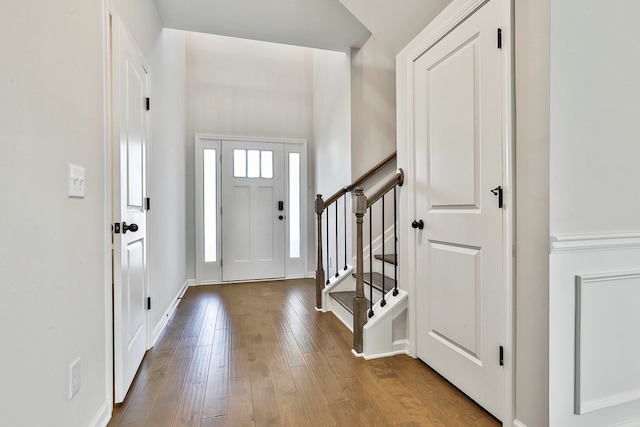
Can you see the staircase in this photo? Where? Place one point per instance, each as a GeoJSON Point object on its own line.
{"type": "Point", "coordinates": [373, 285]}
{"type": "Point", "coordinates": [368, 300]}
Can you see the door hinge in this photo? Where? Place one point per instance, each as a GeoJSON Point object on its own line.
{"type": "Point", "coordinates": [147, 202]}
{"type": "Point", "coordinates": [501, 356]}
{"type": "Point", "coordinates": [147, 104]}
{"type": "Point", "coordinates": [499, 39]}
{"type": "Point", "coordinates": [116, 228]}
{"type": "Point", "coordinates": [148, 303]}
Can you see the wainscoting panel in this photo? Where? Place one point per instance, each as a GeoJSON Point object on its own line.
{"type": "Point", "coordinates": [607, 350]}
{"type": "Point", "coordinates": [594, 330]}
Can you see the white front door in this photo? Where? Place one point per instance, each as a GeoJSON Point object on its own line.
{"type": "Point", "coordinates": [130, 265]}
{"type": "Point", "coordinates": [460, 289]}
{"type": "Point", "coordinates": [253, 215]}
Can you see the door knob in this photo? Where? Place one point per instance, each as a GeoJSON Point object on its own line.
{"type": "Point", "coordinates": [129, 227]}
{"type": "Point", "coordinates": [419, 224]}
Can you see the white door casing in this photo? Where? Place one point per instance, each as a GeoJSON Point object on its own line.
{"type": "Point", "coordinates": [129, 138]}
{"type": "Point", "coordinates": [461, 309]}
{"type": "Point", "coordinates": [253, 222]}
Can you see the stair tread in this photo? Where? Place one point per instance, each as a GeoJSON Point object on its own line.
{"type": "Point", "coordinates": [345, 299]}
{"type": "Point", "coordinates": [388, 258]}
{"type": "Point", "coordinates": [375, 280]}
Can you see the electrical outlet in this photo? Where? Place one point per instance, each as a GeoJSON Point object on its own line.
{"type": "Point", "coordinates": [74, 378]}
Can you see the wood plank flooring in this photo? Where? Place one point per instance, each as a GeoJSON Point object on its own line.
{"type": "Point", "coordinates": [258, 354]}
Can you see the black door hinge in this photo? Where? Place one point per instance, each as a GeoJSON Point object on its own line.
{"type": "Point", "coordinates": [148, 104]}
{"type": "Point", "coordinates": [501, 357]}
{"type": "Point", "coordinates": [147, 202]}
{"type": "Point", "coordinates": [116, 228]}
{"type": "Point", "coordinates": [499, 40]}
{"type": "Point", "coordinates": [148, 303]}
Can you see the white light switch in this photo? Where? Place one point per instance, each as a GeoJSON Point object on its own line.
{"type": "Point", "coordinates": [76, 181]}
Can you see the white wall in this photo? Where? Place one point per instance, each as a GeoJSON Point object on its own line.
{"type": "Point", "coordinates": [331, 121]}
{"type": "Point", "coordinates": [594, 151]}
{"type": "Point", "coordinates": [245, 88]}
{"type": "Point", "coordinates": [532, 201]}
{"type": "Point", "coordinates": [595, 63]}
{"type": "Point", "coordinates": [332, 146]}
{"type": "Point", "coordinates": [52, 248]}
{"type": "Point", "coordinates": [165, 52]}
{"type": "Point", "coordinates": [373, 135]}
{"type": "Point", "coordinates": [373, 105]}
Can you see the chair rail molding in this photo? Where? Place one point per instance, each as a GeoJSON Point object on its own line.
{"type": "Point", "coordinates": [593, 242]}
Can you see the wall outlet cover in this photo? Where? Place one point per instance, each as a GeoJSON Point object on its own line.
{"type": "Point", "coordinates": [76, 180]}
{"type": "Point", "coordinates": [74, 378]}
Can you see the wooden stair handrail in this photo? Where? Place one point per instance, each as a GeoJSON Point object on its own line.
{"type": "Point", "coordinates": [397, 179]}
{"type": "Point", "coordinates": [371, 172]}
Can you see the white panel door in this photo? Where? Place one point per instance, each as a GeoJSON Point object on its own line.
{"type": "Point", "coordinates": [253, 215]}
{"type": "Point", "coordinates": [460, 289]}
{"type": "Point", "coordinates": [130, 267]}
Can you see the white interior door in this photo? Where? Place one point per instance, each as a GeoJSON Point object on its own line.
{"type": "Point", "coordinates": [130, 266]}
{"type": "Point", "coordinates": [460, 289]}
{"type": "Point", "coordinates": [253, 215]}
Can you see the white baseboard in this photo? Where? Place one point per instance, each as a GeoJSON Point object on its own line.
{"type": "Point", "coordinates": [518, 423]}
{"type": "Point", "coordinates": [401, 346]}
{"type": "Point", "coordinates": [632, 423]}
{"type": "Point", "coordinates": [103, 416]}
{"type": "Point", "coordinates": [172, 307]}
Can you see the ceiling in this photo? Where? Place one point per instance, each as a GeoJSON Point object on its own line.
{"type": "Point", "coordinates": [322, 24]}
{"type": "Point", "coordinates": [395, 22]}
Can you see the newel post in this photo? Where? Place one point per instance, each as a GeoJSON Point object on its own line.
{"type": "Point", "coordinates": [359, 300]}
{"type": "Point", "coordinates": [319, 268]}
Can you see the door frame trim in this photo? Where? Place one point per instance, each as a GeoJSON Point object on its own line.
{"type": "Point", "coordinates": [446, 22]}
{"type": "Point", "coordinates": [212, 139]}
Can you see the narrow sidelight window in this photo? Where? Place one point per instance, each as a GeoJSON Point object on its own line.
{"type": "Point", "coordinates": [210, 213]}
{"type": "Point", "coordinates": [294, 205]}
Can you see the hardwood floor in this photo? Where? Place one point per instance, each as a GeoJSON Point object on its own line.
{"type": "Point", "coordinates": [258, 354]}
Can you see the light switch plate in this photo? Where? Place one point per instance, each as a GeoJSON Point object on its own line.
{"type": "Point", "coordinates": [76, 181]}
